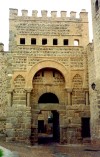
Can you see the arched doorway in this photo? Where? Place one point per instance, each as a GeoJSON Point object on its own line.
{"type": "Point", "coordinates": [48, 120]}
{"type": "Point", "coordinates": [47, 95]}
{"type": "Point", "coordinates": [48, 98]}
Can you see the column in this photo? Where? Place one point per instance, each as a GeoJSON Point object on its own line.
{"type": "Point", "coordinates": [28, 97]}
{"type": "Point", "coordinates": [69, 92]}
{"type": "Point", "coordinates": [10, 97]}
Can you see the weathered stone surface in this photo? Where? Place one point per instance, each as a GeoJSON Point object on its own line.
{"type": "Point", "coordinates": [43, 79]}
{"type": "Point", "coordinates": [94, 72]}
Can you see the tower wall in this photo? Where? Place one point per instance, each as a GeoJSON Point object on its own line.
{"type": "Point", "coordinates": [95, 99]}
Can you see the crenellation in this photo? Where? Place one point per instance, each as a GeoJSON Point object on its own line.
{"type": "Point", "coordinates": [13, 12]}
{"type": "Point", "coordinates": [73, 14]}
{"type": "Point", "coordinates": [34, 13]}
{"type": "Point", "coordinates": [63, 13]}
{"type": "Point", "coordinates": [24, 12]}
{"type": "Point", "coordinates": [44, 13]}
{"type": "Point", "coordinates": [53, 14]}
{"type": "Point", "coordinates": [84, 15]}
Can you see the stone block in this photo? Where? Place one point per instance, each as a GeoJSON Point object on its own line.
{"type": "Point", "coordinates": [10, 132]}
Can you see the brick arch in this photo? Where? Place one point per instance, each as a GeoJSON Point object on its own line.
{"type": "Point", "coordinates": [47, 64]}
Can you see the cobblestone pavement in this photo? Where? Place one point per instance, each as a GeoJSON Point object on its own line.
{"type": "Point", "coordinates": [52, 150]}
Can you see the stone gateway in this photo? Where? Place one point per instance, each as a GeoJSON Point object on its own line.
{"type": "Point", "coordinates": [44, 81]}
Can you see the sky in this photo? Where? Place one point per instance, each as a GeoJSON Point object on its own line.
{"type": "Point", "coordinates": [50, 5]}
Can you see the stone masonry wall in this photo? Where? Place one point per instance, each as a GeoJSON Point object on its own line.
{"type": "Point", "coordinates": [92, 93]}
{"type": "Point", "coordinates": [96, 43]}
{"type": "Point", "coordinates": [35, 72]}
{"type": "Point", "coordinates": [3, 88]}
{"type": "Point", "coordinates": [47, 27]}
{"type": "Point", "coordinates": [19, 94]}
{"type": "Point", "coordinates": [18, 126]}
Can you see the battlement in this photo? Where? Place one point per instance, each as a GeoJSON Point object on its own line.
{"type": "Point", "coordinates": [83, 15]}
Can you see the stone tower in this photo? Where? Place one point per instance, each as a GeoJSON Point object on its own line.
{"type": "Point", "coordinates": [48, 77]}
{"type": "Point", "coordinates": [95, 74]}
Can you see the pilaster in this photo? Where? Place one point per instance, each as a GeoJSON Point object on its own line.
{"type": "Point", "coordinates": [10, 97]}
{"type": "Point", "coordinates": [86, 96]}
{"type": "Point", "coordinates": [69, 94]}
{"type": "Point", "coordinates": [28, 92]}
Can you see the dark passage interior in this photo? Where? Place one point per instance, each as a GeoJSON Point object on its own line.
{"type": "Point", "coordinates": [48, 98]}
{"type": "Point", "coordinates": [85, 127]}
{"type": "Point", "coordinates": [48, 121]}
{"type": "Point", "coordinates": [49, 132]}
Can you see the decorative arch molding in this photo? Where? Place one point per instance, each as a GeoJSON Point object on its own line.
{"type": "Point", "coordinates": [47, 64]}
{"type": "Point", "coordinates": [15, 76]}
{"type": "Point", "coordinates": [18, 76]}
{"type": "Point", "coordinates": [82, 76]}
{"type": "Point", "coordinates": [79, 77]}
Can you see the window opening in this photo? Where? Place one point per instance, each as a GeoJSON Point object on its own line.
{"type": "Point", "coordinates": [44, 41]}
{"type": "Point", "coordinates": [33, 41]}
{"type": "Point", "coordinates": [65, 41]}
{"type": "Point", "coordinates": [96, 6]}
{"type": "Point", "coordinates": [55, 42]}
{"type": "Point", "coordinates": [22, 41]}
{"type": "Point", "coordinates": [76, 42]}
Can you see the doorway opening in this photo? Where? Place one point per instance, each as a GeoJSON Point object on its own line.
{"type": "Point", "coordinates": [48, 98]}
{"type": "Point", "coordinates": [85, 127]}
{"type": "Point", "coordinates": [48, 127]}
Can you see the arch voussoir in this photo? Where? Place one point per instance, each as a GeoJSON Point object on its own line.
{"type": "Point", "coordinates": [47, 64]}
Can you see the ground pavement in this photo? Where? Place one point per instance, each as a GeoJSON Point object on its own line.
{"type": "Point", "coordinates": [52, 150]}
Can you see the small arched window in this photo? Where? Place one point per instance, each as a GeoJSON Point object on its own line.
{"type": "Point", "coordinates": [76, 42]}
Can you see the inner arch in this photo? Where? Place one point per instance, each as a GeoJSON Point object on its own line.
{"type": "Point", "coordinates": [47, 64]}
{"type": "Point", "coordinates": [48, 98]}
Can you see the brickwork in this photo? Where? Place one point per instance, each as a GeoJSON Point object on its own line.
{"type": "Point", "coordinates": [44, 60]}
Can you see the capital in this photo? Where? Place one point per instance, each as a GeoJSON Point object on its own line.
{"type": "Point", "coordinates": [10, 90]}
{"type": "Point", "coordinates": [86, 89]}
{"type": "Point", "coordinates": [69, 90]}
{"type": "Point", "coordinates": [28, 90]}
